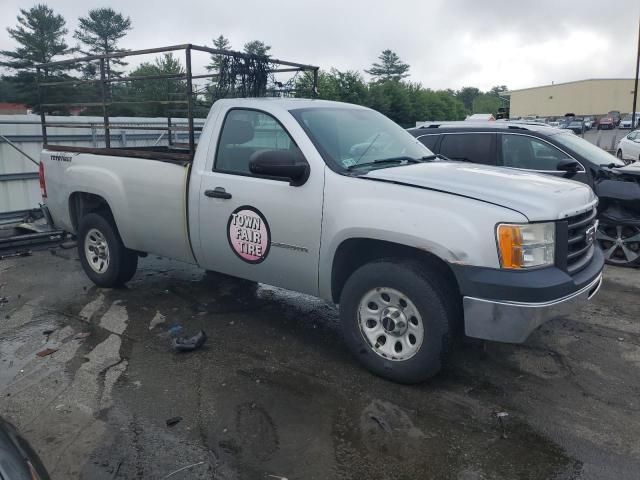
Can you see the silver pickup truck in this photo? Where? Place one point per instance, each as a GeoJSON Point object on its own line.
{"type": "Point", "coordinates": [337, 201]}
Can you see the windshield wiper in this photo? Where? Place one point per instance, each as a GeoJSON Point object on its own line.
{"type": "Point", "coordinates": [460, 159]}
{"type": "Point", "coordinates": [436, 156]}
{"type": "Point", "coordinates": [401, 160]}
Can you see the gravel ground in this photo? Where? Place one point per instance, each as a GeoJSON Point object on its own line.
{"type": "Point", "coordinates": [274, 394]}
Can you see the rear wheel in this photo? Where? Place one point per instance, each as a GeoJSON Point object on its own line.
{"type": "Point", "coordinates": [620, 244]}
{"type": "Point", "coordinates": [104, 258]}
{"type": "Point", "coordinates": [396, 318]}
{"type": "Point", "coordinates": [619, 154]}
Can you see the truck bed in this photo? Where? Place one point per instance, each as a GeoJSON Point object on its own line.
{"type": "Point", "coordinates": [148, 201]}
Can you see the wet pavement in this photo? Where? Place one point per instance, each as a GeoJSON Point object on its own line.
{"type": "Point", "coordinates": [274, 394]}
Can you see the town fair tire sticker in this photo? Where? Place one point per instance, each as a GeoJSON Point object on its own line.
{"type": "Point", "coordinates": [248, 234]}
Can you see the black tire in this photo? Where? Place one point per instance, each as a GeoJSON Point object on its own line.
{"type": "Point", "coordinates": [122, 262]}
{"type": "Point", "coordinates": [437, 305]}
{"type": "Point", "coordinates": [619, 154]}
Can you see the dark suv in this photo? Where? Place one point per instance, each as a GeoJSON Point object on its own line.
{"type": "Point", "coordinates": [543, 149]}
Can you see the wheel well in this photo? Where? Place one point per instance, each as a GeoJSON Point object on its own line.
{"type": "Point", "coordinates": [355, 252]}
{"type": "Point", "coordinates": [82, 203]}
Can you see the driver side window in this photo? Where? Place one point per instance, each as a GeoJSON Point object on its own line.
{"type": "Point", "coordinates": [521, 151]}
{"type": "Point", "coordinates": [246, 132]}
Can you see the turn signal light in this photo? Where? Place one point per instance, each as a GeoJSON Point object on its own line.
{"type": "Point", "coordinates": [510, 243]}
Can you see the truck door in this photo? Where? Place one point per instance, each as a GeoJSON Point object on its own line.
{"type": "Point", "coordinates": [256, 227]}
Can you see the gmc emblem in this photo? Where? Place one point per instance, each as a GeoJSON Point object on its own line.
{"type": "Point", "coordinates": [590, 234]}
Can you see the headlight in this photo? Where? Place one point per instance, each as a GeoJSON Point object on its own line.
{"type": "Point", "coordinates": [525, 246]}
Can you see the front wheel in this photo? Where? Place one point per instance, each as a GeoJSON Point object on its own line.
{"type": "Point", "coordinates": [620, 244]}
{"type": "Point", "coordinates": [396, 318]}
{"type": "Point", "coordinates": [104, 258]}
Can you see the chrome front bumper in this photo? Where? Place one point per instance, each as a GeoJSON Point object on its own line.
{"type": "Point", "coordinates": [513, 322]}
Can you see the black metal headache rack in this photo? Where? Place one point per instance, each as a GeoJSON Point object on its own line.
{"type": "Point", "coordinates": [164, 89]}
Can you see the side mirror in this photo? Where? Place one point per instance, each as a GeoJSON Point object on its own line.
{"type": "Point", "coordinates": [280, 163]}
{"type": "Point", "coordinates": [568, 165]}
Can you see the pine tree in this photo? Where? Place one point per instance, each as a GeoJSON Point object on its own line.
{"type": "Point", "coordinates": [389, 68]}
{"type": "Point", "coordinates": [100, 32]}
{"type": "Point", "coordinates": [256, 47]}
{"type": "Point", "coordinates": [220, 43]}
{"type": "Point", "coordinates": [40, 34]}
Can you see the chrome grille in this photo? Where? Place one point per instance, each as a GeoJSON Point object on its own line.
{"type": "Point", "coordinates": [581, 240]}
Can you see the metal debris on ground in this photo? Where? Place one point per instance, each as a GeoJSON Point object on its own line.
{"type": "Point", "coordinates": [46, 351]}
{"type": "Point", "coordinates": [26, 253]}
{"type": "Point", "coordinates": [183, 469]}
{"type": "Point", "coordinates": [182, 344]}
{"type": "Point", "coordinates": [81, 335]}
{"type": "Point", "coordinates": [500, 416]}
{"type": "Point", "coordinates": [173, 421]}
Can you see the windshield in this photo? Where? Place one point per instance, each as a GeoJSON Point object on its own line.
{"type": "Point", "coordinates": [587, 150]}
{"type": "Point", "coordinates": [347, 137]}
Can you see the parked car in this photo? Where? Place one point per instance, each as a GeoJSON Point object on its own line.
{"type": "Point", "coordinates": [18, 460]}
{"type": "Point", "coordinates": [561, 154]}
{"type": "Point", "coordinates": [338, 201]}
{"type": "Point", "coordinates": [606, 123]}
{"type": "Point", "coordinates": [626, 122]}
{"type": "Point", "coordinates": [588, 123]}
{"type": "Point", "coordinates": [628, 148]}
{"type": "Point", "coordinates": [615, 116]}
{"type": "Point", "coordinates": [576, 125]}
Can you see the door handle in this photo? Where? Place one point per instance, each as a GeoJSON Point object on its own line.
{"type": "Point", "coordinates": [218, 192]}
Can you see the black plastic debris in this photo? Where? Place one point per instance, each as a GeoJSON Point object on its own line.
{"type": "Point", "coordinates": [173, 421]}
{"type": "Point", "coordinates": [183, 344]}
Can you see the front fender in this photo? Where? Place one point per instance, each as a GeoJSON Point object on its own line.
{"type": "Point", "coordinates": [456, 229]}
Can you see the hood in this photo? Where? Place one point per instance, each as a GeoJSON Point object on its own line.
{"type": "Point", "coordinates": [538, 197]}
{"type": "Point", "coordinates": [631, 169]}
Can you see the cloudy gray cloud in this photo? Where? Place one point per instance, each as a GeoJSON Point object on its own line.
{"type": "Point", "coordinates": [449, 44]}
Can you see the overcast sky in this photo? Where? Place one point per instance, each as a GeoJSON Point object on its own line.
{"type": "Point", "coordinates": [448, 43]}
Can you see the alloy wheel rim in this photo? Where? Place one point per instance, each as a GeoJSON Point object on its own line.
{"type": "Point", "coordinates": [620, 243]}
{"type": "Point", "coordinates": [96, 250]}
{"type": "Point", "coordinates": [390, 323]}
